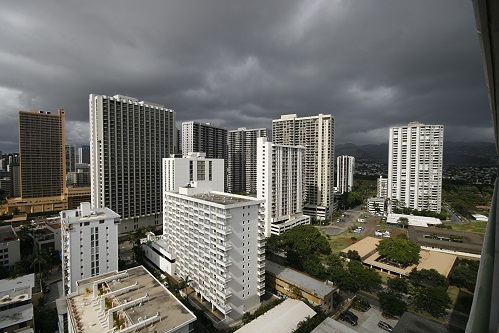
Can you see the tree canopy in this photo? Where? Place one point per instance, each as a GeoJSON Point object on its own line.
{"type": "Point", "coordinates": [305, 239]}
{"type": "Point", "coordinates": [428, 278]}
{"type": "Point", "coordinates": [400, 250]}
{"type": "Point", "coordinates": [433, 300]}
{"type": "Point", "coordinates": [392, 303]}
{"type": "Point", "coordinates": [464, 274]}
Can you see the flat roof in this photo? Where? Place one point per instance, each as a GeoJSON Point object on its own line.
{"type": "Point", "coordinates": [140, 298]}
{"type": "Point", "coordinates": [17, 315]}
{"type": "Point", "coordinates": [281, 319]}
{"type": "Point", "coordinates": [299, 279]}
{"type": "Point", "coordinates": [469, 242]}
{"type": "Point", "coordinates": [7, 234]}
{"type": "Point", "coordinates": [222, 198]}
{"type": "Point", "coordinates": [364, 247]}
{"type": "Point", "coordinates": [330, 325]}
{"type": "Point", "coordinates": [413, 219]}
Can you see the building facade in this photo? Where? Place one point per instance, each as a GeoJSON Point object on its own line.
{"type": "Point", "coordinates": [84, 154]}
{"type": "Point", "coordinates": [316, 134]}
{"type": "Point", "coordinates": [128, 140]}
{"type": "Point", "coordinates": [382, 187]}
{"type": "Point", "coordinates": [42, 153]}
{"type": "Point", "coordinates": [89, 244]}
{"type": "Point", "coordinates": [241, 163]}
{"type": "Point", "coordinates": [415, 166]}
{"type": "Point", "coordinates": [280, 184]}
{"type": "Point", "coordinates": [70, 158]}
{"type": "Point", "coordinates": [345, 166]}
{"type": "Point", "coordinates": [205, 138]}
{"type": "Point", "coordinates": [10, 246]}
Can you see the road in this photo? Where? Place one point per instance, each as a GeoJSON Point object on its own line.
{"type": "Point", "coordinates": [453, 217]}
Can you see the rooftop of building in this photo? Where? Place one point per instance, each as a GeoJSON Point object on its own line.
{"type": "Point", "coordinates": [422, 221]}
{"type": "Point", "coordinates": [299, 279]}
{"type": "Point", "coordinates": [17, 315]}
{"type": "Point", "coordinates": [16, 290]}
{"type": "Point", "coordinates": [7, 234]}
{"type": "Point", "coordinates": [281, 319]}
{"type": "Point", "coordinates": [79, 215]}
{"type": "Point", "coordinates": [441, 262]}
{"type": "Point", "coordinates": [453, 240]}
{"type": "Point", "coordinates": [144, 303]}
{"type": "Point", "coordinates": [222, 198]}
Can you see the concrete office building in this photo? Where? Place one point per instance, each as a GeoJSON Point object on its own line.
{"type": "Point", "coordinates": [280, 184]}
{"type": "Point", "coordinates": [205, 138]}
{"type": "Point", "coordinates": [10, 246]}
{"type": "Point", "coordinates": [42, 151]}
{"type": "Point", "coordinates": [345, 166]}
{"type": "Point", "coordinates": [70, 158]}
{"type": "Point", "coordinates": [316, 134]}
{"type": "Point", "coordinates": [84, 155]}
{"type": "Point", "coordinates": [128, 140]}
{"type": "Point", "coordinates": [415, 166]}
{"type": "Point", "coordinates": [241, 162]}
{"type": "Point", "coordinates": [89, 244]}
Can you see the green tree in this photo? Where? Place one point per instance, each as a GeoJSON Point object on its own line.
{"type": "Point", "coordinates": [392, 303]}
{"type": "Point", "coordinates": [367, 279]}
{"type": "Point", "coordinates": [428, 278]}
{"type": "Point", "coordinates": [353, 255]}
{"type": "Point", "coordinates": [402, 251]}
{"type": "Point", "coordinates": [404, 222]}
{"type": "Point", "coordinates": [464, 274]}
{"type": "Point", "coordinates": [38, 260]}
{"type": "Point", "coordinates": [134, 238]}
{"type": "Point", "coordinates": [398, 285]}
{"type": "Point", "coordinates": [305, 239]}
{"type": "Point", "coordinates": [433, 300]}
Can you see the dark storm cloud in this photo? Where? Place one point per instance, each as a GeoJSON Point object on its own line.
{"type": "Point", "coordinates": [372, 64]}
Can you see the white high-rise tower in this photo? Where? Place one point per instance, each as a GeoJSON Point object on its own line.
{"type": "Point", "coordinates": [316, 134]}
{"type": "Point", "coordinates": [128, 140]}
{"type": "Point", "coordinates": [415, 166]}
{"type": "Point", "coordinates": [345, 166]}
{"type": "Point", "coordinates": [280, 184]}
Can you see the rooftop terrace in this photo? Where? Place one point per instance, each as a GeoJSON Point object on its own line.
{"type": "Point", "coordinates": [131, 300]}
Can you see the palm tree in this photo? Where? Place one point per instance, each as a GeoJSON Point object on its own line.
{"type": "Point", "coordinates": [37, 258]}
{"type": "Point", "coordinates": [183, 283]}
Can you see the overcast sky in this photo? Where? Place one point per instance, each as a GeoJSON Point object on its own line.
{"type": "Point", "coordinates": [372, 64]}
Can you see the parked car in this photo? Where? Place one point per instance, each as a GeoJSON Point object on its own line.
{"type": "Point", "coordinates": [349, 317]}
{"type": "Point", "coordinates": [385, 326]}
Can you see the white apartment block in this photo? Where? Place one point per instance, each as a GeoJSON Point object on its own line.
{"type": "Point", "coordinates": [241, 162]}
{"type": "Point", "coordinates": [345, 166]}
{"type": "Point", "coordinates": [280, 184]}
{"type": "Point", "coordinates": [206, 138]}
{"type": "Point", "coordinates": [16, 304]}
{"type": "Point", "coordinates": [10, 246]}
{"type": "Point", "coordinates": [129, 138]}
{"type": "Point", "coordinates": [89, 243]}
{"type": "Point", "coordinates": [376, 206]}
{"type": "Point", "coordinates": [382, 187]}
{"type": "Point", "coordinates": [316, 134]}
{"type": "Point", "coordinates": [415, 166]}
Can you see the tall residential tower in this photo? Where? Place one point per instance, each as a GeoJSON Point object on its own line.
{"type": "Point", "coordinates": [129, 138]}
{"type": "Point", "coordinates": [316, 134]}
{"type": "Point", "coordinates": [415, 166]}
{"type": "Point", "coordinates": [345, 166]}
{"type": "Point", "coordinates": [42, 144]}
{"type": "Point", "coordinates": [241, 163]}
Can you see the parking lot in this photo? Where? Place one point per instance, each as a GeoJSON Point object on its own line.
{"type": "Point", "coordinates": [368, 321]}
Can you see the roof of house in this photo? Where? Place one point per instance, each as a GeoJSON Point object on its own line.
{"type": "Point", "coordinates": [299, 279]}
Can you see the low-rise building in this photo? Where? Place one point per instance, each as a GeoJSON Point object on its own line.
{"type": "Point", "coordinates": [288, 282]}
{"type": "Point", "coordinates": [376, 206]}
{"type": "Point", "coordinates": [10, 246]}
{"type": "Point", "coordinates": [47, 236]}
{"type": "Point", "coordinates": [418, 221]}
{"type": "Point", "coordinates": [460, 243]}
{"type": "Point", "coordinates": [16, 303]}
{"type": "Point", "coordinates": [126, 301]}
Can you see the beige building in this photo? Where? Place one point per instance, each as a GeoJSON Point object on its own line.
{"type": "Point", "coordinates": [43, 153]}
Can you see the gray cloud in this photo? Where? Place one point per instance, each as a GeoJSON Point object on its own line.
{"type": "Point", "coordinates": [372, 64]}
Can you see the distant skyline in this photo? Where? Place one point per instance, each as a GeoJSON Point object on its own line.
{"type": "Point", "coordinates": [371, 64]}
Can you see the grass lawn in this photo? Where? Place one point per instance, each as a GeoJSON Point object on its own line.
{"type": "Point", "coordinates": [341, 241]}
{"type": "Point", "coordinates": [478, 226]}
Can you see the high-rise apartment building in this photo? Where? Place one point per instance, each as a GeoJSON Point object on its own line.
{"type": "Point", "coordinates": [206, 138]}
{"type": "Point", "coordinates": [382, 187]}
{"type": "Point", "coordinates": [345, 166]}
{"type": "Point", "coordinates": [42, 150]}
{"type": "Point", "coordinates": [84, 155]}
{"type": "Point", "coordinates": [241, 163]}
{"type": "Point", "coordinates": [316, 134]}
{"type": "Point", "coordinates": [415, 166]}
{"type": "Point", "coordinates": [128, 140]}
{"type": "Point", "coordinates": [70, 158]}
{"type": "Point", "coordinates": [214, 238]}
{"type": "Point", "coordinates": [280, 184]}
{"type": "Point", "coordinates": [89, 243]}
